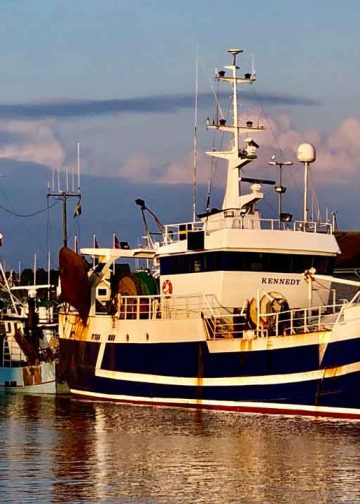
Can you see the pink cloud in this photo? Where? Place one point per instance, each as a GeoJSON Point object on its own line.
{"type": "Point", "coordinates": [33, 141]}
{"type": "Point", "coordinates": [149, 170]}
{"type": "Point", "coordinates": [139, 169]}
{"type": "Point", "coordinates": [181, 172]}
{"type": "Point", "coordinates": [338, 153]}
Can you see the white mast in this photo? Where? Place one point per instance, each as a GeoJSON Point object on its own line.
{"type": "Point", "coordinates": [236, 157]}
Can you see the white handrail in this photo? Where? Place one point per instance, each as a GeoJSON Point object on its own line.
{"type": "Point", "coordinates": [174, 232]}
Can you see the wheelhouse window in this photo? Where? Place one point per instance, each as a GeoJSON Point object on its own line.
{"type": "Point", "coordinates": [244, 261]}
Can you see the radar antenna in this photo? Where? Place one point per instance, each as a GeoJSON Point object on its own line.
{"type": "Point", "coordinates": [235, 52]}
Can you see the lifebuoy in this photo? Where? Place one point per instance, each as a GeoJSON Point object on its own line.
{"type": "Point", "coordinates": [167, 287]}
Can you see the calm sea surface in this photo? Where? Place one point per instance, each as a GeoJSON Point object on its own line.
{"type": "Point", "coordinates": [66, 450]}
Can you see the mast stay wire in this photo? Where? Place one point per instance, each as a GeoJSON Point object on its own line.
{"type": "Point", "coordinates": [275, 137]}
{"type": "Point", "coordinates": [315, 201]}
{"type": "Point", "coordinates": [15, 214]}
{"type": "Point", "coordinates": [20, 218]}
{"type": "Point", "coordinates": [213, 162]}
{"type": "Point", "coordinates": [267, 119]}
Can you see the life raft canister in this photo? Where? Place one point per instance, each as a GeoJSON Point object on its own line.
{"type": "Point", "coordinates": [167, 287]}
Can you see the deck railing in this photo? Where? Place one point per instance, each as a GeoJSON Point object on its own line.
{"type": "Point", "coordinates": [302, 320]}
{"type": "Point", "coordinates": [299, 321]}
{"type": "Point", "coordinates": [166, 307]}
{"type": "Point", "coordinates": [178, 232]}
{"type": "Point", "coordinates": [223, 322]}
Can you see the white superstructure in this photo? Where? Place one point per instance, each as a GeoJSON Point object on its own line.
{"type": "Point", "coordinates": [234, 251]}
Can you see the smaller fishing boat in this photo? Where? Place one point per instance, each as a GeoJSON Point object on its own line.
{"type": "Point", "coordinates": [28, 338]}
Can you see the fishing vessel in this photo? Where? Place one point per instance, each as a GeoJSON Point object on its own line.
{"type": "Point", "coordinates": [28, 339]}
{"type": "Point", "coordinates": [246, 316]}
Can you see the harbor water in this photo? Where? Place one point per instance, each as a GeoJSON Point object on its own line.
{"type": "Point", "coordinates": [58, 449]}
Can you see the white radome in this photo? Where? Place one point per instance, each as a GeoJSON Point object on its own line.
{"type": "Point", "coordinates": [306, 153]}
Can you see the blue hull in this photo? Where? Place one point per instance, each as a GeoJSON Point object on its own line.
{"type": "Point", "coordinates": [187, 374]}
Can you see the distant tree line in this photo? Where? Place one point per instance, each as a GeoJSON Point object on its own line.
{"type": "Point", "coordinates": [42, 277]}
{"type": "Point", "coordinates": [27, 277]}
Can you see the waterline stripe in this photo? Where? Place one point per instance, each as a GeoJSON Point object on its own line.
{"type": "Point", "coordinates": [232, 381]}
{"type": "Point", "coordinates": [231, 405]}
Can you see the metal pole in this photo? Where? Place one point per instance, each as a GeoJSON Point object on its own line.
{"type": "Point", "coordinates": [306, 191]}
{"type": "Point", "coordinates": [280, 193]}
{"type": "Point", "coordinates": [78, 165]}
{"type": "Point", "coordinates": [49, 273]}
{"type": "Point", "coordinates": [280, 189]}
{"type": "Point", "coordinates": [35, 266]}
{"type": "Point", "coordinates": [64, 220]}
{"type": "Point", "coordinates": [195, 132]}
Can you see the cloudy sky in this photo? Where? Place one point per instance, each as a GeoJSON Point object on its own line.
{"type": "Point", "coordinates": [118, 77]}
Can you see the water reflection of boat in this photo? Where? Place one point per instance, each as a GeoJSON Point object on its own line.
{"type": "Point", "coordinates": [28, 339]}
{"type": "Point", "coordinates": [237, 325]}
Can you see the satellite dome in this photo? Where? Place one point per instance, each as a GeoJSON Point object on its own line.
{"type": "Point", "coordinates": [306, 153]}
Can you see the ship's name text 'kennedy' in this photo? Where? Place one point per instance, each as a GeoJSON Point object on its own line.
{"type": "Point", "coordinates": [280, 281]}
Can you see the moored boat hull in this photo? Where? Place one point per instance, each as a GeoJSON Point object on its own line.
{"type": "Point", "coordinates": [32, 379]}
{"type": "Point", "coordinates": [283, 380]}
